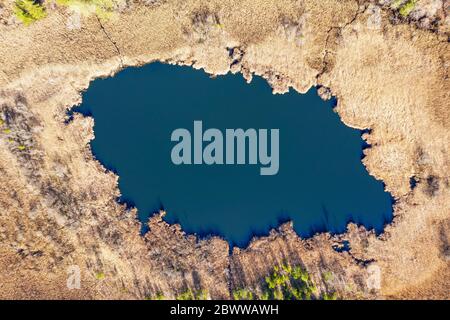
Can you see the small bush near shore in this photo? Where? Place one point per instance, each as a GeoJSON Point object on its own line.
{"type": "Point", "coordinates": [406, 9]}
{"type": "Point", "coordinates": [29, 11]}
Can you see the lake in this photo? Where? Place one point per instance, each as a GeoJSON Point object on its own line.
{"type": "Point", "coordinates": [320, 184]}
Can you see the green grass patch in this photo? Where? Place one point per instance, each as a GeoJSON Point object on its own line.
{"type": "Point", "coordinates": [330, 296]}
{"type": "Point", "coordinates": [29, 11]}
{"type": "Point", "coordinates": [286, 282]}
{"type": "Point", "coordinates": [406, 9]}
{"type": "Point", "coordinates": [193, 295]}
{"type": "Point", "coordinates": [158, 296]}
{"type": "Point", "coordinates": [242, 294]}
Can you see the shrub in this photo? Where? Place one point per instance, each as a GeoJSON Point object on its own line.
{"type": "Point", "coordinates": [201, 295]}
{"type": "Point", "coordinates": [283, 282]}
{"type": "Point", "coordinates": [159, 296]}
{"type": "Point", "coordinates": [29, 11]}
{"type": "Point", "coordinates": [406, 9]}
{"type": "Point", "coordinates": [242, 294]}
{"type": "Point", "coordinates": [330, 296]}
{"type": "Point", "coordinates": [191, 295]}
{"type": "Point", "coordinates": [287, 282]}
{"type": "Point", "coordinates": [265, 295]}
{"type": "Point", "coordinates": [187, 295]}
{"type": "Point", "coordinates": [278, 294]}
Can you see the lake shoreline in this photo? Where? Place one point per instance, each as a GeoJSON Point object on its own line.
{"type": "Point", "coordinates": [289, 112]}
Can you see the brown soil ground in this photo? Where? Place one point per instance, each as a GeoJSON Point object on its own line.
{"type": "Point", "coordinates": [58, 205]}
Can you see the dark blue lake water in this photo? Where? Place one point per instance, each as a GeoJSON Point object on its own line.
{"type": "Point", "coordinates": [321, 183]}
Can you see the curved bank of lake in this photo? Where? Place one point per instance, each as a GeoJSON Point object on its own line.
{"type": "Point", "coordinates": [320, 185]}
